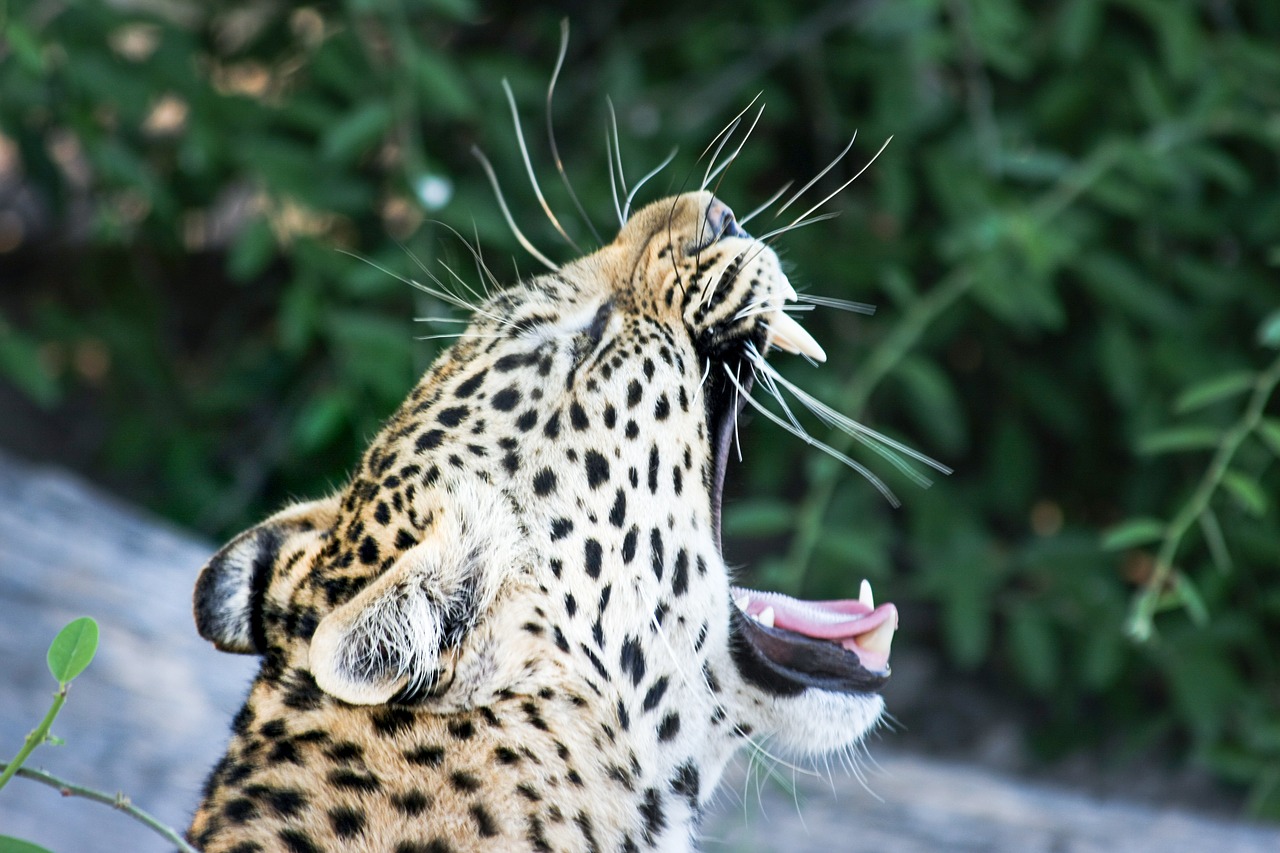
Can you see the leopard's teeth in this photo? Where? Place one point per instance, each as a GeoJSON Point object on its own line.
{"type": "Point", "coordinates": [786, 334]}
{"type": "Point", "coordinates": [765, 617]}
{"type": "Point", "coordinates": [879, 640]}
{"type": "Point", "coordinates": [864, 594]}
{"type": "Point", "coordinates": [742, 602]}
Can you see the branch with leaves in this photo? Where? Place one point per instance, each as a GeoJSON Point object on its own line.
{"type": "Point", "coordinates": [71, 651]}
{"type": "Point", "coordinates": [1167, 587]}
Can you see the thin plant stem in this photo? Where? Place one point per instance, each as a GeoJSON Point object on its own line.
{"type": "Point", "coordinates": [1145, 604]}
{"type": "Point", "coordinates": [116, 801]}
{"type": "Point", "coordinates": [37, 736]}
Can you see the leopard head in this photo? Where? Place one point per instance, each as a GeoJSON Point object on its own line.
{"type": "Point", "coordinates": [543, 514]}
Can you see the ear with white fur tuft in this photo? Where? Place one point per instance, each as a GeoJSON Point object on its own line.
{"type": "Point", "coordinates": [390, 642]}
{"type": "Point", "coordinates": [387, 640]}
{"type": "Point", "coordinates": [231, 588]}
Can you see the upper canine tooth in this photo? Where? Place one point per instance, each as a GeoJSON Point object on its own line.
{"type": "Point", "coordinates": [786, 334]}
{"type": "Point", "coordinates": [742, 602]}
{"type": "Point", "coordinates": [864, 594]}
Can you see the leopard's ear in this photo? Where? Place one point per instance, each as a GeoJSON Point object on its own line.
{"type": "Point", "coordinates": [390, 639]}
{"type": "Point", "coordinates": [232, 585]}
{"type": "Point", "coordinates": [389, 636]}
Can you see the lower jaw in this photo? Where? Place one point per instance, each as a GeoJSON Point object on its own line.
{"type": "Point", "coordinates": [785, 664]}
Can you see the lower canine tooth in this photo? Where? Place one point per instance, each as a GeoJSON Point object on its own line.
{"type": "Point", "coordinates": [879, 640]}
{"type": "Point", "coordinates": [786, 334]}
{"type": "Point", "coordinates": [766, 617]}
{"type": "Point", "coordinates": [864, 594]}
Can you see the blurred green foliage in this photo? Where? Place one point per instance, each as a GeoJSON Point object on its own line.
{"type": "Point", "coordinates": [1073, 239]}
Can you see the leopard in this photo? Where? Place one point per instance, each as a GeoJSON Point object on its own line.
{"type": "Point", "coordinates": [514, 628]}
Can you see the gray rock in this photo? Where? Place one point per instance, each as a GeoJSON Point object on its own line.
{"type": "Point", "coordinates": [151, 714]}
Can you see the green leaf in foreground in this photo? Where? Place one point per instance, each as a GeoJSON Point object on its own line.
{"type": "Point", "coordinates": [73, 649]}
{"type": "Point", "coordinates": [1135, 531]}
{"type": "Point", "coordinates": [8, 844]}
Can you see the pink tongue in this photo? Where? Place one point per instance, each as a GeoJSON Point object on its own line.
{"type": "Point", "coordinates": [822, 620]}
{"type": "Point", "coordinates": [850, 623]}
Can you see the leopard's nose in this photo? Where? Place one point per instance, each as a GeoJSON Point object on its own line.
{"type": "Point", "coordinates": [721, 221]}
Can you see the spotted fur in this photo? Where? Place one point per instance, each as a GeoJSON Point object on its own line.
{"type": "Point", "coordinates": [511, 630]}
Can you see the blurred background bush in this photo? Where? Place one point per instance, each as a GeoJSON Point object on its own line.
{"type": "Point", "coordinates": [1073, 240]}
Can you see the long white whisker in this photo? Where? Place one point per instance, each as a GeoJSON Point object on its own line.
{"type": "Point", "coordinates": [626, 208]}
{"type": "Point", "coordinates": [469, 289]}
{"type": "Point", "coordinates": [728, 128]}
{"type": "Point", "coordinates": [734, 156]}
{"type": "Point", "coordinates": [458, 335]}
{"type": "Point", "coordinates": [810, 440]}
{"type": "Point", "coordinates": [506, 211]}
{"type": "Point", "coordinates": [768, 305]}
{"type": "Point", "coordinates": [737, 409]}
{"type": "Point", "coordinates": [613, 183]}
{"type": "Point", "coordinates": [481, 267]}
{"type": "Point", "coordinates": [877, 441]}
{"type": "Point", "coordinates": [442, 293]}
{"type": "Point", "coordinates": [711, 164]}
{"type": "Point", "coordinates": [777, 395]}
{"type": "Point", "coordinates": [818, 176]}
{"type": "Point", "coordinates": [840, 188]}
{"type": "Point", "coordinates": [838, 304]}
{"type": "Point", "coordinates": [528, 166]}
{"type": "Point", "coordinates": [797, 225]}
{"type": "Point", "coordinates": [551, 132]}
{"type": "Point", "coordinates": [617, 150]}
{"type": "Point", "coordinates": [475, 309]}
{"type": "Point", "coordinates": [770, 200]}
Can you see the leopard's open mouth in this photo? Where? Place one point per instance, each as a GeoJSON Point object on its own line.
{"type": "Point", "coordinates": [784, 644]}
{"type": "Point", "coordinates": [780, 643]}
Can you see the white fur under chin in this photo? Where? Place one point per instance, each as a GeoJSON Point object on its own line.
{"type": "Point", "coordinates": [817, 722]}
